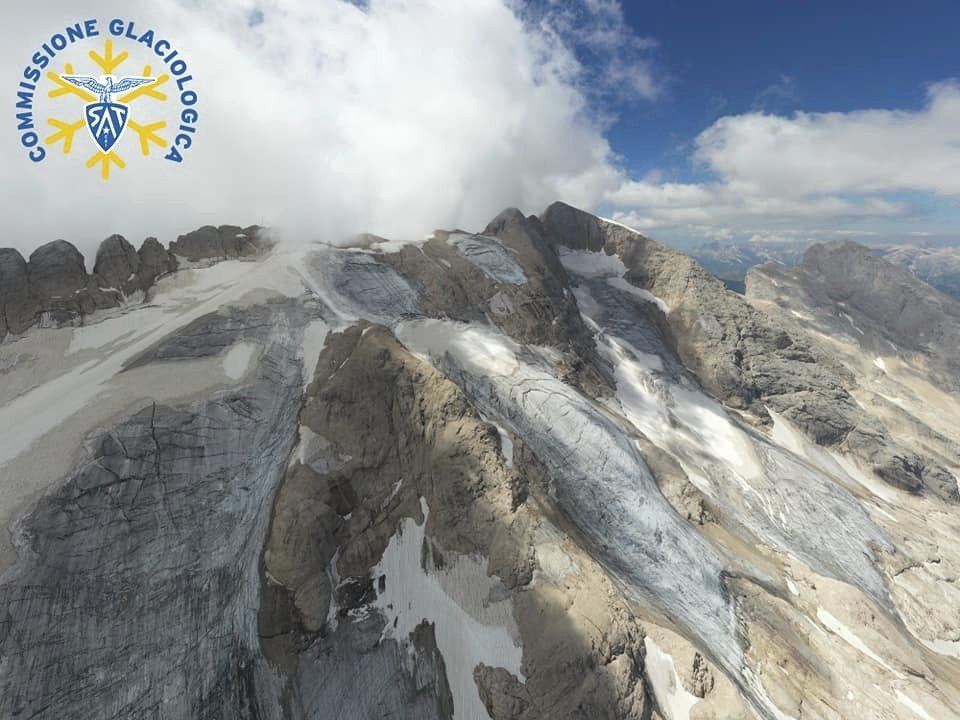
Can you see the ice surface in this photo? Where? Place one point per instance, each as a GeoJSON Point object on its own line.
{"type": "Point", "coordinates": [592, 264]}
{"type": "Point", "coordinates": [781, 495]}
{"type": "Point", "coordinates": [588, 264]}
{"type": "Point", "coordinates": [598, 475]}
{"type": "Point", "coordinates": [488, 254]}
{"type": "Point", "coordinates": [353, 285]}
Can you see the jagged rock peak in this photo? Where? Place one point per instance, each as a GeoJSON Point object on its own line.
{"type": "Point", "coordinates": [155, 260]}
{"type": "Point", "coordinates": [506, 218]}
{"type": "Point", "coordinates": [16, 305]}
{"type": "Point", "coordinates": [573, 228]}
{"type": "Point", "coordinates": [117, 264]}
{"type": "Point", "coordinates": [56, 269]}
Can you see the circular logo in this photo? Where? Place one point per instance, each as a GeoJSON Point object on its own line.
{"type": "Point", "coordinates": [106, 91]}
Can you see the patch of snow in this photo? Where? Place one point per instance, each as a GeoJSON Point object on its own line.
{"type": "Point", "coordinates": [792, 588]}
{"type": "Point", "coordinates": [592, 264]}
{"type": "Point", "coordinates": [671, 415]}
{"type": "Point", "coordinates": [913, 706]}
{"type": "Point", "coordinates": [506, 444]}
{"type": "Point", "coordinates": [673, 699]}
{"type": "Point", "coordinates": [237, 361]}
{"type": "Point", "coordinates": [600, 265]}
{"type": "Point", "coordinates": [950, 648]}
{"type": "Point", "coordinates": [847, 635]}
{"type": "Point", "coordinates": [850, 320]}
{"type": "Point", "coordinates": [393, 493]}
{"type": "Point", "coordinates": [622, 284]}
{"type": "Point", "coordinates": [314, 337]}
{"type": "Point", "coordinates": [878, 361]}
{"type": "Point", "coordinates": [465, 639]}
{"type": "Point", "coordinates": [478, 351]}
{"type": "Point", "coordinates": [619, 224]}
{"type": "Point", "coordinates": [392, 246]}
{"type": "Point", "coordinates": [334, 579]}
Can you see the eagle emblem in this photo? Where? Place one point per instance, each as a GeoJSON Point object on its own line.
{"type": "Point", "coordinates": [106, 119]}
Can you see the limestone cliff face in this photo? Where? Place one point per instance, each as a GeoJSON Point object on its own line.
{"type": "Point", "coordinates": [551, 469]}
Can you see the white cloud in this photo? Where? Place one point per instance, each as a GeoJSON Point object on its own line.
{"type": "Point", "coordinates": [325, 119]}
{"type": "Point", "coordinates": [781, 95]}
{"type": "Point", "coordinates": [670, 204]}
{"type": "Point", "coordinates": [866, 151]}
{"type": "Point", "coordinates": [808, 171]}
{"type": "Point", "coordinates": [620, 61]}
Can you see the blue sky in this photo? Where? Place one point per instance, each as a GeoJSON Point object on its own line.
{"type": "Point", "coordinates": [822, 56]}
{"type": "Point", "coordinates": [716, 59]}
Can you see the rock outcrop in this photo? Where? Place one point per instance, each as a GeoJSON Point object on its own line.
{"type": "Point", "coordinates": [220, 243]}
{"type": "Point", "coordinates": [511, 275]}
{"type": "Point", "coordinates": [384, 437]}
{"type": "Point", "coordinates": [18, 308]}
{"type": "Point", "coordinates": [117, 266]}
{"type": "Point", "coordinates": [155, 262]}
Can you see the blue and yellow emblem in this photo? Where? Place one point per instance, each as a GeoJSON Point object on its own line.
{"type": "Point", "coordinates": [107, 119]}
{"type": "Point", "coordinates": [113, 102]}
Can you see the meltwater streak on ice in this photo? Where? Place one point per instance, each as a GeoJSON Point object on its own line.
{"type": "Point", "coordinates": [784, 500]}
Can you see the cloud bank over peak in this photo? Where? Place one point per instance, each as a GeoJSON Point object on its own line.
{"type": "Point", "coordinates": [325, 119]}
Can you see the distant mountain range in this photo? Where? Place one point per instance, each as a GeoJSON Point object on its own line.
{"type": "Point", "coordinates": [938, 266]}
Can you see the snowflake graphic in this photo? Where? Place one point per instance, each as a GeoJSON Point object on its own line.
{"type": "Point", "coordinates": [108, 64]}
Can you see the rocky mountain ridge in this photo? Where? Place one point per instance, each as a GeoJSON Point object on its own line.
{"type": "Point", "coordinates": [52, 288]}
{"type": "Point", "coordinates": [552, 469]}
{"type": "Point", "coordinates": [939, 267]}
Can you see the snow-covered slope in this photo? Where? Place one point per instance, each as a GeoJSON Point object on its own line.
{"type": "Point", "coordinates": [550, 470]}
